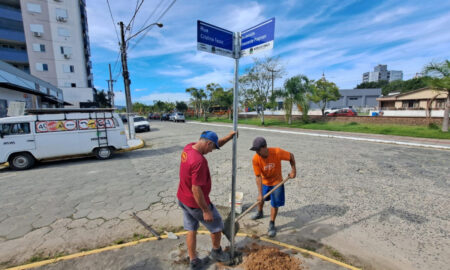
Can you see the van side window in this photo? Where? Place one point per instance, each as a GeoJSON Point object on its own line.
{"type": "Point", "coordinates": [15, 129]}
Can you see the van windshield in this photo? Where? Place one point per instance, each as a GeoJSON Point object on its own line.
{"type": "Point", "coordinates": [139, 119]}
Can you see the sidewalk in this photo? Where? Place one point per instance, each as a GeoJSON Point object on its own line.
{"type": "Point", "coordinates": [150, 253]}
{"type": "Point", "coordinates": [378, 138]}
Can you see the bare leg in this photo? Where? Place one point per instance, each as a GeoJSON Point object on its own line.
{"type": "Point", "coordinates": [191, 241]}
{"type": "Point", "coordinates": [260, 206]}
{"type": "Point", "coordinates": [215, 238]}
{"type": "Point", "coordinates": [273, 214]}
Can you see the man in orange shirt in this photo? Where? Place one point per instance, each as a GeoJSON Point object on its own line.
{"type": "Point", "coordinates": [267, 168]}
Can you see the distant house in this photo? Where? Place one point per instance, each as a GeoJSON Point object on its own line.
{"type": "Point", "coordinates": [419, 99]}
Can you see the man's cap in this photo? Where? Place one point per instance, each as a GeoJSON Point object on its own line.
{"type": "Point", "coordinates": [258, 143]}
{"type": "Point", "coordinates": [212, 136]}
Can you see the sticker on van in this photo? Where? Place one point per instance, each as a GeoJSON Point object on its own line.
{"type": "Point", "coordinates": [70, 125]}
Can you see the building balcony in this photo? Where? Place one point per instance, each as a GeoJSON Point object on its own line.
{"type": "Point", "coordinates": [10, 35]}
{"type": "Point", "coordinates": [10, 13]}
{"type": "Point", "coordinates": [13, 56]}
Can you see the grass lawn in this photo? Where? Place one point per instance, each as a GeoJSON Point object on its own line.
{"type": "Point", "coordinates": [433, 132]}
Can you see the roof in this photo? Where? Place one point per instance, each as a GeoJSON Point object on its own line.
{"type": "Point", "coordinates": [68, 110]}
{"type": "Point", "coordinates": [413, 94]}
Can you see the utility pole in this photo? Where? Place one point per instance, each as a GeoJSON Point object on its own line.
{"type": "Point", "coordinates": [126, 80]}
{"type": "Point", "coordinates": [273, 79]}
{"type": "Point", "coordinates": [111, 87]}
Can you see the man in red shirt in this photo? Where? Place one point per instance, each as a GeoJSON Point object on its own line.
{"type": "Point", "coordinates": [193, 196]}
{"type": "Point", "coordinates": [267, 169]}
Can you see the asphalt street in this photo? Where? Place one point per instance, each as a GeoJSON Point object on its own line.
{"type": "Point", "coordinates": [382, 206]}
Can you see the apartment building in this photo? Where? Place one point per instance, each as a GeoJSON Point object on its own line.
{"type": "Point", "coordinates": [381, 73]}
{"type": "Point", "coordinates": [49, 39]}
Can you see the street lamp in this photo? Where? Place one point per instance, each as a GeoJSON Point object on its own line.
{"type": "Point", "coordinates": [126, 75]}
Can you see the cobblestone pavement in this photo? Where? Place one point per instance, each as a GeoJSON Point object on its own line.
{"type": "Point", "coordinates": [384, 206]}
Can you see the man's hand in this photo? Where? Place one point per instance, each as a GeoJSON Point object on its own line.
{"type": "Point", "coordinates": [260, 198]}
{"type": "Point", "coordinates": [292, 174]}
{"type": "Point", "coordinates": [208, 216]}
{"type": "Point", "coordinates": [231, 134]}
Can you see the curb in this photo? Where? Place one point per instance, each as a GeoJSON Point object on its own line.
{"type": "Point", "coordinates": [345, 137]}
{"type": "Point", "coordinates": [133, 243]}
{"type": "Point", "coordinates": [141, 145]}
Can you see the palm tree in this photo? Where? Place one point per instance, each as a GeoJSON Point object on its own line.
{"type": "Point", "coordinates": [197, 96]}
{"type": "Point", "coordinates": [297, 90]}
{"type": "Point", "coordinates": [440, 80]}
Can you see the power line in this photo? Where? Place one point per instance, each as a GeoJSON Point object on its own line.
{"type": "Point", "coordinates": [112, 18]}
{"type": "Point", "coordinates": [134, 15]}
{"type": "Point", "coordinates": [159, 19]}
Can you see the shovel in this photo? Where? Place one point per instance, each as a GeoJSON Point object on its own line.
{"type": "Point", "coordinates": [228, 222]}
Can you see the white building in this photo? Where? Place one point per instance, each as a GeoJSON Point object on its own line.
{"type": "Point", "coordinates": [55, 36]}
{"type": "Point", "coordinates": [381, 73]}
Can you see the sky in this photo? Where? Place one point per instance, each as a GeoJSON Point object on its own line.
{"type": "Point", "coordinates": [342, 39]}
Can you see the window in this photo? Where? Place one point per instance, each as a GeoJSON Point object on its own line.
{"type": "Point", "coordinates": [73, 85]}
{"type": "Point", "coordinates": [63, 32]}
{"type": "Point", "coordinates": [61, 14]}
{"type": "Point", "coordinates": [37, 28]}
{"type": "Point", "coordinates": [353, 98]}
{"type": "Point", "coordinates": [66, 50]}
{"type": "Point", "coordinates": [68, 68]}
{"type": "Point", "coordinates": [440, 103]}
{"type": "Point", "coordinates": [41, 67]}
{"type": "Point", "coordinates": [35, 8]}
{"type": "Point", "coordinates": [15, 128]}
{"type": "Point", "coordinates": [38, 47]}
{"type": "Point", "coordinates": [3, 107]}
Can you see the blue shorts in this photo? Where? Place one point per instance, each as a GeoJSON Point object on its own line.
{"type": "Point", "coordinates": [277, 197]}
{"type": "Point", "coordinates": [192, 217]}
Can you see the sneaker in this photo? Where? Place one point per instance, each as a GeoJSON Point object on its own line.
{"type": "Point", "coordinates": [257, 215]}
{"type": "Point", "coordinates": [198, 263]}
{"type": "Point", "coordinates": [272, 230]}
{"type": "Point", "coordinates": [219, 255]}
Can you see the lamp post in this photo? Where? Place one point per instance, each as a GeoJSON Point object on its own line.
{"type": "Point", "coordinates": [126, 75]}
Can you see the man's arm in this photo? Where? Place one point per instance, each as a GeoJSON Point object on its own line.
{"type": "Point", "coordinates": [259, 185]}
{"type": "Point", "coordinates": [293, 168]}
{"type": "Point", "coordinates": [225, 139]}
{"type": "Point", "coordinates": [200, 200]}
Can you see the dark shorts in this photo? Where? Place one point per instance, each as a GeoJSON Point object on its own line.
{"type": "Point", "coordinates": [277, 197]}
{"type": "Point", "coordinates": [192, 217]}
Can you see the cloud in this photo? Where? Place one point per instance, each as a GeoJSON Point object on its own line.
{"type": "Point", "coordinates": [220, 77]}
{"type": "Point", "coordinates": [140, 89]}
{"type": "Point", "coordinates": [167, 97]}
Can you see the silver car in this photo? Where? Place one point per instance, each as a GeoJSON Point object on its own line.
{"type": "Point", "coordinates": [178, 117]}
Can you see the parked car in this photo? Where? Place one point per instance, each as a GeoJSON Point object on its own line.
{"type": "Point", "coordinates": [150, 116]}
{"type": "Point", "coordinates": [123, 117]}
{"type": "Point", "coordinates": [141, 124]}
{"type": "Point", "coordinates": [344, 112]}
{"type": "Point", "coordinates": [156, 116]}
{"type": "Point", "coordinates": [179, 117]}
{"type": "Point", "coordinates": [165, 117]}
{"type": "Point", "coordinates": [327, 111]}
{"type": "Point", "coordinates": [172, 117]}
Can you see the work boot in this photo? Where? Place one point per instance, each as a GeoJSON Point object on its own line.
{"type": "Point", "coordinates": [219, 255]}
{"type": "Point", "coordinates": [257, 215]}
{"type": "Point", "coordinates": [197, 263]}
{"type": "Point", "coordinates": [272, 230]}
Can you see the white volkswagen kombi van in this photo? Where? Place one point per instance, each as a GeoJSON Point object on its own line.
{"type": "Point", "coordinates": [51, 133]}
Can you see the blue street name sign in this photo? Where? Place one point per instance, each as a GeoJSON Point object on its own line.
{"type": "Point", "coordinates": [258, 38]}
{"type": "Point", "coordinates": [214, 39]}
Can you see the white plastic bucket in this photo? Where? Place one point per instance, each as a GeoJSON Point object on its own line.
{"type": "Point", "coordinates": [238, 203]}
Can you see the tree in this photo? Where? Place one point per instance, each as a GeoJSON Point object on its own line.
{"type": "Point", "coordinates": [101, 98]}
{"type": "Point", "coordinates": [197, 97]}
{"type": "Point", "coordinates": [224, 98]}
{"type": "Point", "coordinates": [159, 106]}
{"type": "Point", "coordinates": [181, 106]}
{"type": "Point", "coordinates": [440, 80]}
{"type": "Point", "coordinates": [324, 92]}
{"type": "Point", "coordinates": [209, 93]}
{"type": "Point", "coordinates": [378, 84]}
{"type": "Point", "coordinates": [404, 86]}
{"type": "Point", "coordinates": [256, 84]}
{"type": "Point", "coordinates": [297, 90]}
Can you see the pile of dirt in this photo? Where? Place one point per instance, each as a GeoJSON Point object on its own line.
{"type": "Point", "coordinates": [264, 257]}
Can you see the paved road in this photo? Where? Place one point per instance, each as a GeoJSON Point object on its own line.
{"type": "Point", "coordinates": [380, 205]}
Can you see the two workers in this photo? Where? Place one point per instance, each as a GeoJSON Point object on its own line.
{"type": "Point", "coordinates": [195, 186]}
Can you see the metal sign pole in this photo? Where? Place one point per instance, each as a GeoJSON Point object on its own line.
{"type": "Point", "coordinates": [235, 122]}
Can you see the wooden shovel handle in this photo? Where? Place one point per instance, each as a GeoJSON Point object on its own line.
{"type": "Point", "coordinates": [265, 196]}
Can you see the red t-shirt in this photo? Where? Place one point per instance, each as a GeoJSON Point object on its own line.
{"type": "Point", "coordinates": [194, 170]}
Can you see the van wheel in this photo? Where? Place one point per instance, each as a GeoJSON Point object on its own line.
{"type": "Point", "coordinates": [21, 161]}
{"type": "Point", "coordinates": [103, 152]}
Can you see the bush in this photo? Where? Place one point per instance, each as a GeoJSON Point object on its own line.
{"type": "Point", "coordinates": [353, 124]}
{"type": "Point", "coordinates": [433, 126]}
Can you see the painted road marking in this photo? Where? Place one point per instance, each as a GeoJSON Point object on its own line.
{"type": "Point", "coordinates": [334, 136]}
